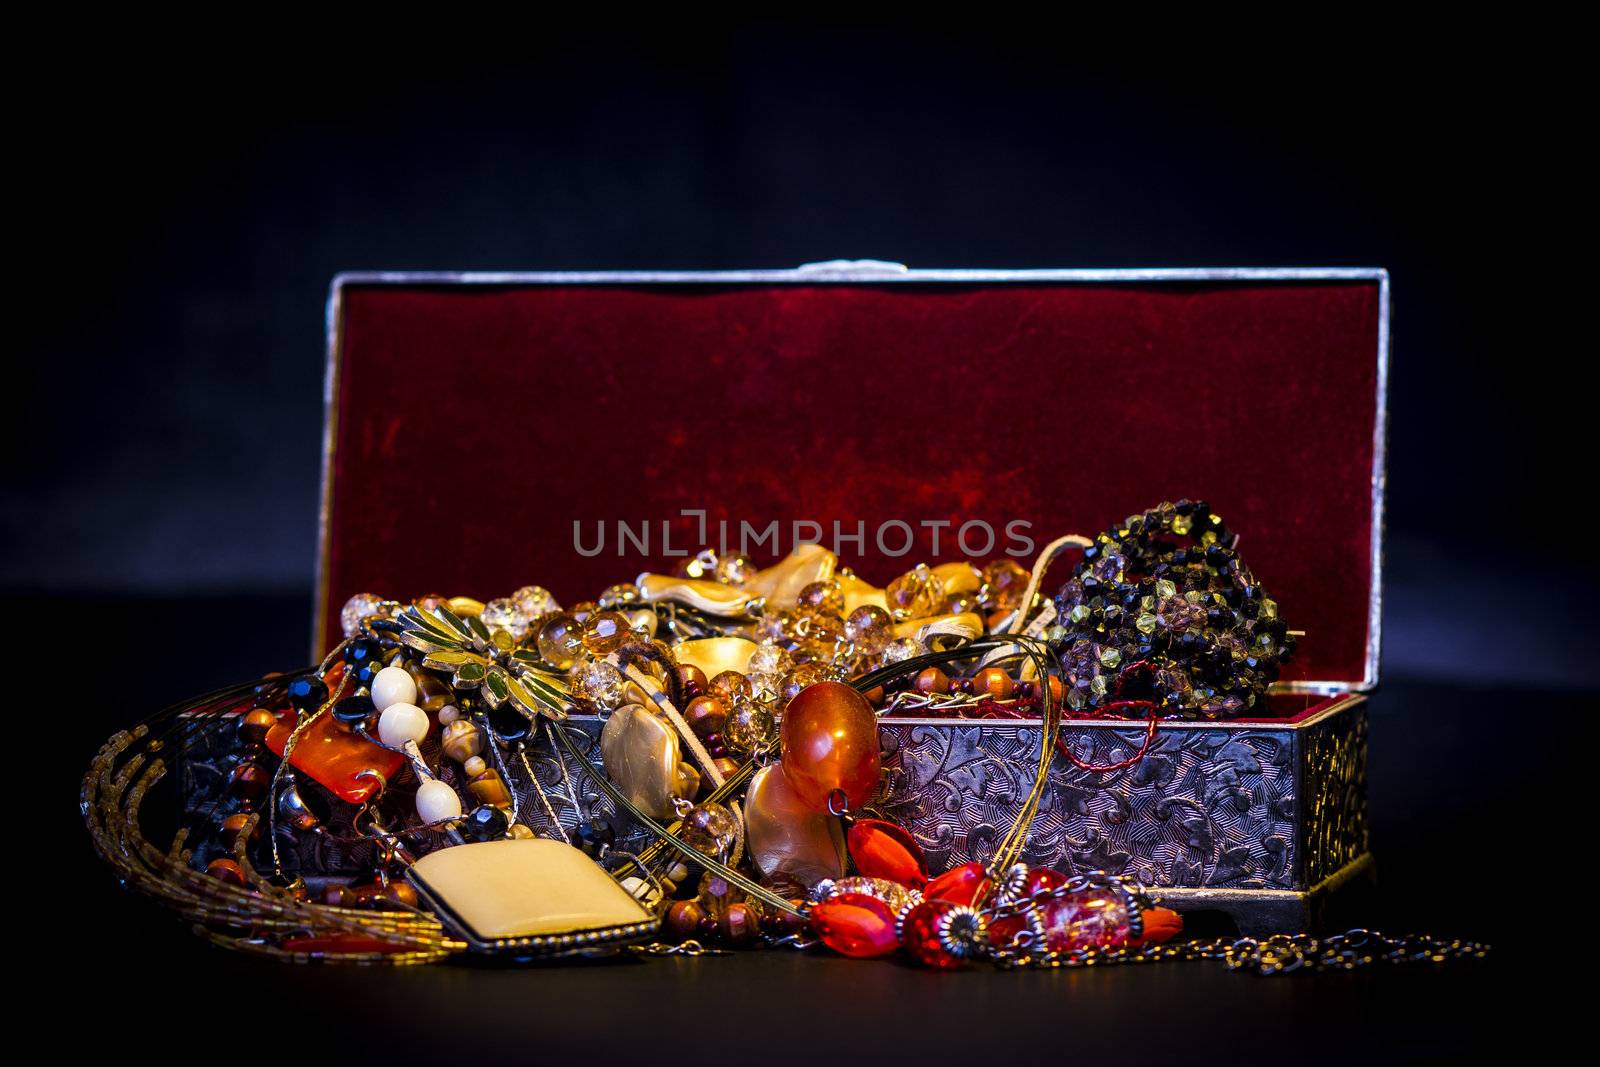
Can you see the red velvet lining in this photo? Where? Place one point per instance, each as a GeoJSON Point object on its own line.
{"type": "Point", "coordinates": [476, 424]}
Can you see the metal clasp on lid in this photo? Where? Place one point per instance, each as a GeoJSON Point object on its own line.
{"type": "Point", "coordinates": [854, 266]}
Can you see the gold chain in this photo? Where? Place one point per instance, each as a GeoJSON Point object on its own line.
{"type": "Point", "coordinates": [1278, 954]}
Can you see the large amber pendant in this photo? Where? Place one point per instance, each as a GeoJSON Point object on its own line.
{"type": "Point", "coordinates": [347, 764]}
{"type": "Point", "coordinates": [786, 836]}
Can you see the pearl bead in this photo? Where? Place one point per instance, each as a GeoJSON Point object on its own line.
{"type": "Point", "coordinates": [436, 801]}
{"type": "Point", "coordinates": [393, 685]}
{"type": "Point", "coordinates": [400, 723]}
{"type": "Point", "coordinates": [474, 766]}
{"type": "Point", "coordinates": [449, 714]}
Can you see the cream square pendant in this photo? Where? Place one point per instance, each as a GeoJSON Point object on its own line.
{"type": "Point", "coordinates": [537, 896]}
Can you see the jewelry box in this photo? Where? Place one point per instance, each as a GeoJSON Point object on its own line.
{"type": "Point", "coordinates": [487, 431]}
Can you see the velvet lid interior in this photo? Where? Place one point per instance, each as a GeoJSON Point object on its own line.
{"type": "Point", "coordinates": [482, 434]}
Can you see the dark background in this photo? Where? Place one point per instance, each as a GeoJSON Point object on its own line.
{"type": "Point", "coordinates": [185, 207]}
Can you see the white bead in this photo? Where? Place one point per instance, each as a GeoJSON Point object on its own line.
{"type": "Point", "coordinates": [393, 685]}
{"type": "Point", "coordinates": [400, 723]}
{"type": "Point", "coordinates": [436, 801]}
{"type": "Point", "coordinates": [449, 714]}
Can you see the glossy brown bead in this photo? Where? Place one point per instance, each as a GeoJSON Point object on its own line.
{"type": "Point", "coordinates": [433, 692]}
{"type": "Point", "coordinates": [706, 715]}
{"type": "Point", "coordinates": [933, 680]}
{"type": "Point", "coordinates": [234, 825]}
{"type": "Point", "coordinates": [782, 923]}
{"type": "Point", "coordinates": [725, 765]}
{"type": "Point", "coordinates": [693, 680]}
{"type": "Point", "coordinates": [992, 682]}
{"type": "Point", "coordinates": [740, 924]}
{"type": "Point", "coordinates": [254, 725]}
{"type": "Point", "coordinates": [400, 893]}
{"type": "Point", "coordinates": [249, 782]}
{"type": "Point", "coordinates": [226, 870]}
{"type": "Point", "coordinates": [683, 919]}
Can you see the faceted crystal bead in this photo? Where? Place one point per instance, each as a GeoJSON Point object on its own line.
{"type": "Point", "coordinates": [916, 594]}
{"type": "Point", "coordinates": [710, 828]}
{"type": "Point", "coordinates": [534, 602]}
{"type": "Point", "coordinates": [768, 659]}
{"type": "Point", "coordinates": [731, 686]}
{"type": "Point", "coordinates": [870, 627]}
{"type": "Point", "coordinates": [750, 726]}
{"type": "Point", "coordinates": [1004, 583]}
{"type": "Point", "coordinates": [605, 631]}
{"type": "Point", "coordinates": [597, 683]}
{"type": "Point", "coordinates": [502, 614]}
{"type": "Point", "coordinates": [621, 595]}
{"type": "Point", "coordinates": [819, 636]}
{"type": "Point", "coordinates": [824, 598]}
{"type": "Point", "coordinates": [360, 607]}
{"type": "Point", "coordinates": [561, 640]}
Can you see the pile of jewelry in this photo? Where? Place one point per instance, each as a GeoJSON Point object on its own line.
{"type": "Point", "coordinates": [738, 742]}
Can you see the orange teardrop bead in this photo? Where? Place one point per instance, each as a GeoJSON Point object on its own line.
{"type": "Point", "coordinates": [830, 742]}
{"type": "Point", "coordinates": [883, 850]}
{"type": "Point", "coordinates": [959, 885]}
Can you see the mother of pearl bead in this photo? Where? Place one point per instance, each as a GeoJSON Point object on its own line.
{"type": "Point", "coordinates": [436, 800]}
{"type": "Point", "coordinates": [393, 685]}
{"type": "Point", "coordinates": [400, 723]}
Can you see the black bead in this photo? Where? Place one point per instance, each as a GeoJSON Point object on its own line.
{"type": "Point", "coordinates": [508, 724]}
{"type": "Point", "coordinates": [307, 693]}
{"type": "Point", "coordinates": [486, 823]}
{"type": "Point", "coordinates": [354, 709]}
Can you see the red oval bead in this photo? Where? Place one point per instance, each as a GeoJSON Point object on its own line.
{"type": "Point", "coordinates": [959, 885]}
{"type": "Point", "coordinates": [830, 743]}
{"type": "Point", "coordinates": [855, 925]}
{"type": "Point", "coordinates": [883, 850]}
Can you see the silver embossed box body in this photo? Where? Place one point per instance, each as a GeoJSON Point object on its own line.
{"type": "Point", "coordinates": [574, 429]}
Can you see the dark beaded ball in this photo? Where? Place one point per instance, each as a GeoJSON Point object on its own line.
{"type": "Point", "coordinates": [307, 693]}
{"type": "Point", "coordinates": [1167, 592]}
{"type": "Point", "coordinates": [363, 660]}
{"type": "Point", "coordinates": [354, 709]}
{"type": "Point", "coordinates": [486, 823]}
{"type": "Point", "coordinates": [594, 836]}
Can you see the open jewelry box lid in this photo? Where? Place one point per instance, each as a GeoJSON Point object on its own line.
{"type": "Point", "coordinates": [484, 431]}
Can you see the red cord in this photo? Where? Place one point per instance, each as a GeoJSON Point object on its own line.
{"type": "Point", "coordinates": [1115, 709]}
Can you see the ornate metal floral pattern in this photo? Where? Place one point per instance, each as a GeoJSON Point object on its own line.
{"type": "Point", "coordinates": [1207, 807]}
{"type": "Point", "coordinates": [1334, 768]}
{"type": "Point", "coordinates": [1215, 807]}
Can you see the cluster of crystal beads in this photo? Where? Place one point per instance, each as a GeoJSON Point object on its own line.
{"type": "Point", "coordinates": [1161, 608]}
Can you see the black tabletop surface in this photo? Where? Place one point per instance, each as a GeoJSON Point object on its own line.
{"type": "Point", "coordinates": [1474, 796]}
